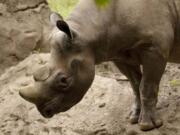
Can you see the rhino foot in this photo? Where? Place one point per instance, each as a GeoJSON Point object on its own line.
{"type": "Point", "coordinates": [149, 120]}
{"type": "Point", "coordinates": [134, 115]}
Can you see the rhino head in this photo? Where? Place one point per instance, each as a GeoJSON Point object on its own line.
{"type": "Point", "coordinates": [64, 81]}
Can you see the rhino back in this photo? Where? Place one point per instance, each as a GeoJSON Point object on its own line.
{"type": "Point", "coordinates": [131, 14]}
{"type": "Point", "coordinates": [123, 23]}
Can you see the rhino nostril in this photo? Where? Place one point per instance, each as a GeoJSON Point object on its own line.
{"type": "Point", "coordinates": [64, 80]}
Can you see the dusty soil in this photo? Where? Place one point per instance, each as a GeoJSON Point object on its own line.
{"type": "Point", "coordinates": [103, 110]}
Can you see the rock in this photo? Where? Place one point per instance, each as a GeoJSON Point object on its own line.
{"type": "Point", "coordinates": [24, 28]}
{"type": "Point", "coordinates": [102, 105]}
{"type": "Point", "coordinates": [132, 132]}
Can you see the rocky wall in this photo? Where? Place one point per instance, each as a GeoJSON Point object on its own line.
{"type": "Point", "coordinates": [23, 29]}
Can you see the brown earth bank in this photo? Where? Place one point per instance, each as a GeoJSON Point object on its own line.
{"type": "Point", "coordinates": [24, 28]}
{"type": "Point", "coordinates": [103, 111]}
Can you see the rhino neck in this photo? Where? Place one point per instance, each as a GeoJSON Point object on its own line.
{"type": "Point", "coordinates": [95, 39]}
{"type": "Point", "coordinates": [92, 24]}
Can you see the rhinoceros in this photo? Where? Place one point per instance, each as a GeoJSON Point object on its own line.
{"type": "Point", "coordinates": [130, 33]}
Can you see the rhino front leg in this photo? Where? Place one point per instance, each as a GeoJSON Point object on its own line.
{"type": "Point", "coordinates": [153, 68]}
{"type": "Point", "coordinates": [133, 73]}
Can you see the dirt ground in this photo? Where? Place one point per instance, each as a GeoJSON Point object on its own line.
{"type": "Point", "coordinates": [103, 110]}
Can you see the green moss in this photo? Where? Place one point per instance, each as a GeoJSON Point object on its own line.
{"type": "Point", "coordinates": [102, 3]}
{"type": "Point", "coordinates": [64, 7]}
{"type": "Point", "coordinates": [175, 83]}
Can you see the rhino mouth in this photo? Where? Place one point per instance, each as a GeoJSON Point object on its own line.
{"type": "Point", "coordinates": [55, 106]}
{"type": "Point", "coordinates": [49, 113]}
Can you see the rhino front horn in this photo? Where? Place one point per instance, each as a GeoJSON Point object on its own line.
{"type": "Point", "coordinates": [29, 93]}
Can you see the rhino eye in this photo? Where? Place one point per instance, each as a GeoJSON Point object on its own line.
{"type": "Point", "coordinates": [68, 44]}
{"type": "Point", "coordinates": [74, 65]}
{"type": "Point", "coordinates": [61, 83]}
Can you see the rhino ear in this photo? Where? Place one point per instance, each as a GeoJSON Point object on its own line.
{"type": "Point", "coordinates": [63, 26]}
{"type": "Point", "coordinates": [54, 17]}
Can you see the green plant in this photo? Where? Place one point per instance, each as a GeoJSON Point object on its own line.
{"type": "Point", "coordinates": [102, 3]}
{"type": "Point", "coordinates": [64, 7]}
{"type": "Point", "coordinates": [175, 82]}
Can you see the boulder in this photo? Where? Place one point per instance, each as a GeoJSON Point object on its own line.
{"type": "Point", "coordinates": [24, 29]}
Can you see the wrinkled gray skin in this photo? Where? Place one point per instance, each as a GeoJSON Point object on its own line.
{"type": "Point", "coordinates": [128, 32]}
